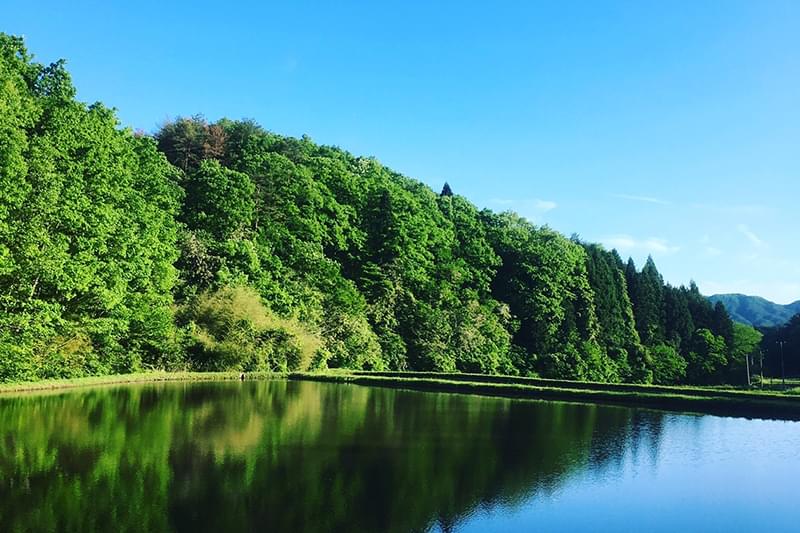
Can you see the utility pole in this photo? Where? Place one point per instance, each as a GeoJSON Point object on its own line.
{"type": "Point", "coordinates": [747, 364]}
{"type": "Point", "coordinates": [783, 372]}
{"type": "Point", "coordinates": [761, 365]}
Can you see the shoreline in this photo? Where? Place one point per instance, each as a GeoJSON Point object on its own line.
{"type": "Point", "coordinates": [685, 400]}
{"type": "Point", "coordinates": [55, 385]}
{"type": "Point", "coordinates": [725, 402]}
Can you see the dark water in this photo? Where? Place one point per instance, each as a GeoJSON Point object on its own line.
{"type": "Point", "coordinates": [291, 456]}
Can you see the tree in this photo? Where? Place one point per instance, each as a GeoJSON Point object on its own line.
{"type": "Point", "coordinates": [188, 141]}
{"type": "Point", "coordinates": [87, 232]}
{"type": "Point", "coordinates": [649, 304]}
{"type": "Point", "coordinates": [544, 280]}
{"type": "Point", "coordinates": [617, 328]}
{"type": "Point", "coordinates": [706, 358]}
{"type": "Point", "coordinates": [789, 335]}
{"type": "Point", "coordinates": [721, 323]}
{"type": "Point", "coordinates": [679, 325]}
{"type": "Point", "coordinates": [104, 233]}
{"type": "Point", "coordinates": [669, 368]}
{"type": "Point", "coordinates": [744, 343]}
{"type": "Point", "coordinates": [219, 201]}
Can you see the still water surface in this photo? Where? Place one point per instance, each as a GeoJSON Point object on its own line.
{"type": "Point", "coordinates": [302, 456]}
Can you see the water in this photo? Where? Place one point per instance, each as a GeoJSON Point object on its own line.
{"type": "Point", "coordinates": [302, 456]}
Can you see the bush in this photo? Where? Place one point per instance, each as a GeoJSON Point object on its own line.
{"type": "Point", "coordinates": [669, 368]}
{"type": "Point", "coordinates": [231, 329]}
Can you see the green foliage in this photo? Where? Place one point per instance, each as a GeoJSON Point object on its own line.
{"type": "Point", "coordinates": [231, 329]}
{"type": "Point", "coordinates": [616, 324]}
{"type": "Point", "coordinates": [543, 279]}
{"type": "Point", "coordinates": [679, 324]}
{"type": "Point", "coordinates": [745, 343]}
{"type": "Point", "coordinates": [706, 358]}
{"type": "Point", "coordinates": [218, 201]}
{"type": "Point", "coordinates": [669, 368]}
{"type": "Point", "coordinates": [280, 253]}
{"type": "Point", "coordinates": [87, 230]}
{"type": "Point", "coordinates": [648, 304]}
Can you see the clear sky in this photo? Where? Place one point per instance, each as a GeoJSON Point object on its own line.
{"type": "Point", "coordinates": [663, 128]}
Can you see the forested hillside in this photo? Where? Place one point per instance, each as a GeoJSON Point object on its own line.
{"type": "Point", "coordinates": [756, 311]}
{"type": "Point", "coordinates": [222, 245]}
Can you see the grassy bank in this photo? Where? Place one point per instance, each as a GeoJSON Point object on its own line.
{"type": "Point", "coordinates": [688, 399]}
{"type": "Point", "coordinates": [691, 399]}
{"type": "Point", "coordinates": [728, 391]}
{"type": "Point", "coordinates": [119, 379]}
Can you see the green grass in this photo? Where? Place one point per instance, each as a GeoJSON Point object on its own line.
{"type": "Point", "coordinates": [691, 399]}
{"type": "Point", "coordinates": [118, 379]}
{"type": "Point", "coordinates": [751, 403]}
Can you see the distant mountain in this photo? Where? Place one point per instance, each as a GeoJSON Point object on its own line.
{"type": "Point", "coordinates": [756, 311]}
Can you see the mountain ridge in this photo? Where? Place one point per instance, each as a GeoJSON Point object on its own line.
{"type": "Point", "coordinates": [756, 311]}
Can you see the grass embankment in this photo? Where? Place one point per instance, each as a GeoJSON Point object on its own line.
{"type": "Point", "coordinates": [789, 385]}
{"type": "Point", "coordinates": [766, 404]}
{"type": "Point", "coordinates": [119, 379]}
{"type": "Point", "coordinates": [692, 399]}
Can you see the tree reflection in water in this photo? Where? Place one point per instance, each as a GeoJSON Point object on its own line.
{"type": "Point", "coordinates": [293, 456]}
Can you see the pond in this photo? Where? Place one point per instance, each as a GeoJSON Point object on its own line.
{"type": "Point", "coordinates": [304, 456]}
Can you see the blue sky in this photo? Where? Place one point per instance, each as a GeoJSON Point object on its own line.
{"type": "Point", "coordinates": [663, 128]}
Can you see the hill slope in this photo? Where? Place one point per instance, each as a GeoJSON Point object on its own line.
{"type": "Point", "coordinates": [756, 311]}
{"type": "Point", "coordinates": [223, 246]}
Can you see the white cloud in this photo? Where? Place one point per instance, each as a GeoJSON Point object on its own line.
{"type": "Point", "coordinates": [659, 245]}
{"type": "Point", "coordinates": [530, 208]}
{"type": "Point", "coordinates": [752, 237]}
{"type": "Point", "coordinates": [652, 245]}
{"type": "Point", "coordinates": [711, 251]}
{"type": "Point", "coordinates": [620, 242]}
{"type": "Point", "coordinates": [646, 199]}
{"type": "Point", "coordinates": [544, 205]}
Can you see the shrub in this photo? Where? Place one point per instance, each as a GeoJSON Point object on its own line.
{"type": "Point", "coordinates": [231, 329]}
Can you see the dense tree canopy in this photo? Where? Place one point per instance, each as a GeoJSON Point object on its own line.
{"type": "Point", "coordinates": [224, 246]}
{"type": "Point", "coordinates": [87, 231]}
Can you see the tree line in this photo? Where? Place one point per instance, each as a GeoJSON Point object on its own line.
{"type": "Point", "coordinates": [221, 246]}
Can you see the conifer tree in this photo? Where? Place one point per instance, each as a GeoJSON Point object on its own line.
{"type": "Point", "coordinates": [649, 309]}
{"type": "Point", "coordinates": [678, 320]}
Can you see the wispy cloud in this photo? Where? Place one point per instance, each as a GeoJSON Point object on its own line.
{"type": "Point", "coordinates": [544, 205]}
{"type": "Point", "coordinates": [530, 208]}
{"type": "Point", "coordinates": [750, 235]}
{"type": "Point", "coordinates": [712, 251]}
{"type": "Point", "coordinates": [626, 243]}
{"type": "Point", "coordinates": [751, 209]}
{"type": "Point", "coordinates": [646, 199]}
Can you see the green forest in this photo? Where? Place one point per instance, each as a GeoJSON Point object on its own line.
{"type": "Point", "coordinates": [223, 246]}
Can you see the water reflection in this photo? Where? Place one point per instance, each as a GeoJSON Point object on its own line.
{"type": "Point", "coordinates": [294, 456]}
